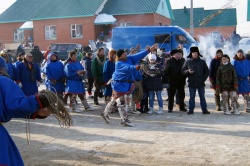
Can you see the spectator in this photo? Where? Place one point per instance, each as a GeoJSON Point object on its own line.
{"type": "Point", "coordinates": [89, 76]}
{"type": "Point", "coordinates": [213, 67]}
{"type": "Point", "coordinates": [197, 72]}
{"type": "Point", "coordinates": [227, 84]}
{"type": "Point", "coordinates": [37, 56]}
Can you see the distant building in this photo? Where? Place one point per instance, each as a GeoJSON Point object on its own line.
{"type": "Point", "coordinates": [76, 21]}
{"type": "Point", "coordinates": [225, 22]}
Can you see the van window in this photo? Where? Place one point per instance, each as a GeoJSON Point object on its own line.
{"type": "Point", "coordinates": [162, 38]}
{"type": "Point", "coordinates": [180, 39]}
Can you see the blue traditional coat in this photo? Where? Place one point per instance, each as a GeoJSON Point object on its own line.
{"type": "Point", "coordinates": [108, 70]}
{"type": "Point", "coordinates": [11, 70]}
{"type": "Point", "coordinates": [123, 76]}
{"type": "Point", "coordinates": [55, 75]}
{"type": "Point", "coordinates": [28, 77]}
{"type": "Point", "coordinates": [12, 106]}
{"type": "Point", "coordinates": [74, 83]}
{"type": "Point", "coordinates": [242, 68]}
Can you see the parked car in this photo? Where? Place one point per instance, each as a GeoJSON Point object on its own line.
{"type": "Point", "coordinates": [244, 44]}
{"type": "Point", "coordinates": [62, 49]}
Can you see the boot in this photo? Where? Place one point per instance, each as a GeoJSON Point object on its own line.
{"type": "Point", "coordinates": [151, 110]}
{"type": "Point", "coordinates": [86, 105]}
{"type": "Point", "coordinates": [217, 102]}
{"type": "Point", "coordinates": [96, 98]}
{"type": "Point", "coordinates": [226, 111]}
{"type": "Point", "coordinates": [160, 111]}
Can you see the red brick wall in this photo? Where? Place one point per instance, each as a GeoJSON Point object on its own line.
{"type": "Point", "coordinates": [63, 31]}
{"type": "Point", "coordinates": [7, 32]}
{"type": "Point", "coordinates": [225, 31]}
{"type": "Point", "coordinates": [142, 19]}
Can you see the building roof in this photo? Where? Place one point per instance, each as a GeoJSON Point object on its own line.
{"type": "Point", "coordinates": [125, 7]}
{"type": "Point", "coordinates": [182, 17]}
{"type": "Point", "coordinates": [26, 10]}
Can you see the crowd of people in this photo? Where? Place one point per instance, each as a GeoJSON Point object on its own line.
{"type": "Point", "coordinates": [130, 79]}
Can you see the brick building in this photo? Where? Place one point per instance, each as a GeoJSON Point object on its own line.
{"type": "Point", "coordinates": [59, 21]}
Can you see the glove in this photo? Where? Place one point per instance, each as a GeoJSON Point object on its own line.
{"type": "Point", "coordinates": [42, 100]}
{"type": "Point", "coordinates": [79, 72]}
{"type": "Point", "coordinates": [20, 85]}
{"type": "Point", "coordinates": [137, 67]}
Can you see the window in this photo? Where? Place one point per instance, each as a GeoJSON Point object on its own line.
{"type": "Point", "coordinates": [162, 38]}
{"type": "Point", "coordinates": [50, 32]}
{"type": "Point", "coordinates": [18, 35]}
{"type": "Point", "coordinates": [76, 31]}
{"type": "Point", "coordinates": [181, 39]}
{"type": "Point", "coordinates": [124, 24]}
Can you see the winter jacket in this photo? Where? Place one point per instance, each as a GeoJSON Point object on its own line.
{"type": "Point", "coordinates": [97, 69]}
{"type": "Point", "coordinates": [201, 72]}
{"type": "Point", "coordinates": [37, 56]}
{"type": "Point", "coordinates": [173, 72]}
{"type": "Point", "coordinates": [88, 62]}
{"type": "Point", "coordinates": [242, 68]}
{"type": "Point", "coordinates": [154, 83]}
{"type": "Point", "coordinates": [226, 78]}
{"type": "Point", "coordinates": [213, 67]}
{"type": "Point", "coordinates": [123, 76]}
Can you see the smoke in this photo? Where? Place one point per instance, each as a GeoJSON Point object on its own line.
{"type": "Point", "coordinates": [209, 45]}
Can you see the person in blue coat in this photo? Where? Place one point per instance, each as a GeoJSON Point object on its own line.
{"type": "Point", "coordinates": [123, 83]}
{"type": "Point", "coordinates": [242, 68]}
{"type": "Point", "coordinates": [74, 73]}
{"type": "Point", "coordinates": [28, 76]}
{"type": "Point", "coordinates": [11, 68]}
{"type": "Point", "coordinates": [20, 58]}
{"type": "Point", "coordinates": [16, 106]}
{"type": "Point", "coordinates": [89, 76]}
{"type": "Point", "coordinates": [54, 71]}
{"type": "Point", "coordinates": [108, 70]}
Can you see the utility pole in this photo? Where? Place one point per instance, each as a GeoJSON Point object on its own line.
{"type": "Point", "coordinates": [191, 19]}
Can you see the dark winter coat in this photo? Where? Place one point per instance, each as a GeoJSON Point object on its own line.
{"type": "Point", "coordinates": [37, 55]}
{"type": "Point", "coordinates": [201, 72]}
{"type": "Point", "coordinates": [88, 62]}
{"type": "Point", "coordinates": [173, 72]}
{"type": "Point", "coordinates": [213, 67]}
{"type": "Point", "coordinates": [154, 83]}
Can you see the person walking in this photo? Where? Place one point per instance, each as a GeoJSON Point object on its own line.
{"type": "Point", "coordinates": [197, 72]}
{"type": "Point", "coordinates": [75, 72]}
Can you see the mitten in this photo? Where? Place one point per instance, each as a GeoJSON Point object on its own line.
{"type": "Point", "coordinates": [42, 100]}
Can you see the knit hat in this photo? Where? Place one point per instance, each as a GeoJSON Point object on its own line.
{"type": "Point", "coordinates": [226, 56]}
{"type": "Point", "coordinates": [240, 50]}
{"type": "Point", "coordinates": [219, 51]}
{"type": "Point", "coordinates": [151, 56]}
{"type": "Point", "coordinates": [174, 51]}
{"type": "Point", "coordinates": [194, 49]}
{"type": "Point", "coordinates": [120, 52]}
{"type": "Point", "coordinates": [3, 65]}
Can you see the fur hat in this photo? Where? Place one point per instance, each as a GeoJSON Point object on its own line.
{"type": "Point", "coordinates": [3, 64]}
{"type": "Point", "coordinates": [120, 52]}
{"type": "Point", "coordinates": [194, 49]}
{"type": "Point", "coordinates": [174, 51]}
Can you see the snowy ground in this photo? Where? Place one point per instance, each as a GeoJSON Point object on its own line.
{"type": "Point", "coordinates": [168, 139]}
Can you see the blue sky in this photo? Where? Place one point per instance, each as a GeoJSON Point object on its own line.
{"type": "Point", "coordinates": [241, 5]}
